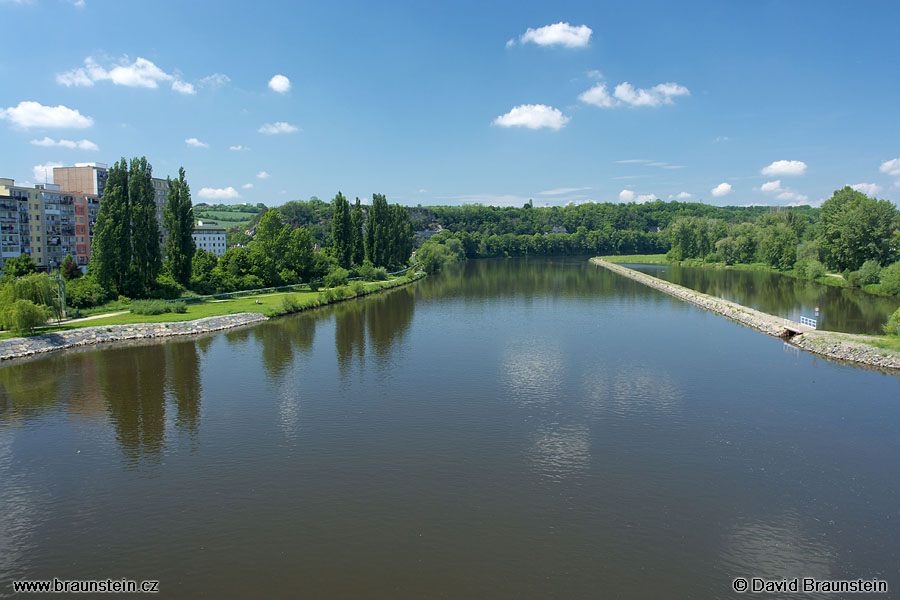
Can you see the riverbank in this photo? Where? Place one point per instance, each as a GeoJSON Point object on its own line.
{"type": "Point", "coordinates": [846, 347]}
{"type": "Point", "coordinates": [197, 320]}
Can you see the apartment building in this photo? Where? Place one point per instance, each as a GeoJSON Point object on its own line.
{"type": "Point", "coordinates": [44, 222]}
{"type": "Point", "coordinates": [210, 238]}
{"type": "Point", "coordinates": [15, 225]}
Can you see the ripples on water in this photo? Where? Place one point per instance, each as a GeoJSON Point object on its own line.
{"type": "Point", "coordinates": [520, 428]}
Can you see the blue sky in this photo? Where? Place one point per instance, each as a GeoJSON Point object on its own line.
{"type": "Point", "coordinates": [448, 103]}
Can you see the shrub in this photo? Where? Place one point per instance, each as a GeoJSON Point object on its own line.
{"type": "Point", "coordinates": [890, 279]}
{"type": "Point", "coordinates": [85, 292]}
{"type": "Point", "coordinates": [22, 316]}
{"type": "Point", "coordinates": [358, 288]}
{"type": "Point", "coordinates": [150, 307]}
{"type": "Point", "coordinates": [853, 279]}
{"type": "Point", "coordinates": [327, 296]}
{"type": "Point", "coordinates": [869, 272]}
{"type": "Point", "coordinates": [314, 285]}
{"type": "Point", "coordinates": [380, 274]}
{"type": "Point", "coordinates": [340, 293]}
{"type": "Point", "coordinates": [179, 307]}
{"type": "Point", "coordinates": [809, 268]}
{"type": "Point", "coordinates": [167, 288]}
{"type": "Point", "coordinates": [892, 327]}
{"type": "Point", "coordinates": [336, 277]}
{"type": "Point", "coordinates": [290, 303]}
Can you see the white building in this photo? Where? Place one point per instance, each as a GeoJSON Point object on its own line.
{"type": "Point", "coordinates": [210, 238]}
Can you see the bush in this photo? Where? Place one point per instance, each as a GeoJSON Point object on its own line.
{"type": "Point", "coordinates": [336, 277]}
{"type": "Point", "coordinates": [314, 285]}
{"type": "Point", "coordinates": [853, 279]}
{"type": "Point", "coordinates": [890, 279]}
{"type": "Point", "coordinates": [340, 293]}
{"type": "Point", "coordinates": [380, 274]}
{"type": "Point", "coordinates": [327, 296]}
{"type": "Point", "coordinates": [358, 288]}
{"type": "Point", "coordinates": [167, 288]}
{"type": "Point", "coordinates": [179, 307]}
{"type": "Point", "coordinates": [150, 307]}
{"type": "Point", "coordinates": [290, 304]}
{"type": "Point", "coordinates": [85, 292]}
{"type": "Point", "coordinates": [22, 316]}
{"type": "Point", "coordinates": [869, 272]}
{"type": "Point", "coordinates": [809, 268]}
{"type": "Point", "coordinates": [19, 265]}
{"type": "Point", "coordinates": [892, 327]}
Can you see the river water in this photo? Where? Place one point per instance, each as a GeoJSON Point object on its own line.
{"type": "Point", "coordinates": [511, 429]}
{"type": "Point", "coordinates": [840, 309]}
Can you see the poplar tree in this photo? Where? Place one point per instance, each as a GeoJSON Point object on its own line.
{"type": "Point", "coordinates": [178, 218]}
{"type": "Point", "coordinates": [377, 230]}
{"type": "Point", "coordinates": [111, 248]}
{"type": "Point", "coordinates": [145, 257]}
{"type": "Point", "coordinates": [356, 223]}
{"type": "Point", "coordinates": [341, 231]}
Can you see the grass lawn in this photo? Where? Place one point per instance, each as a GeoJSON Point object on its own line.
{"type": "Point", "coordinates": [269, 305]}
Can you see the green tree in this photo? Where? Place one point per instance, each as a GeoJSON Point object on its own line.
{"type": "Point", "coordinates": [376, 231]}
{"type": "Point", "coordinates": [19, 265]}
{"type": "Point", "coordinates": [342, 231]}
{"type": "Point", "coordinates": [69, 268]}
{"type": "Point", "coordinates": [111, 246]}
{"type": "Point", "coordinates": [146, 259]}
{"type": "Point", "coordinates": [856, 228]}
{"type": "Point", "coordinates": [356, 224]}
{"type": "Point", "coordinates": [178, 219]}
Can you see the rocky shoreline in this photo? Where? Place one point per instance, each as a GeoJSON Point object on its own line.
{"type": "Point", "coordinates": [844, 347]}
{"type": "Point", "coordinates": [48, 342]}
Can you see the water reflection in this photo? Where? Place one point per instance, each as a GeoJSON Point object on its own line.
{"type": "Point", "coordinates": [532, 370]}
{"type": "Point", "coordinates": [841, 309]}
{"type": "Point", "coordinates": [183, 370]}
{"type": "Point", "coordinates": [280, 340]}
{"type": "Point", "coordinates": [561, 451]}
{"type": "Point", "coordinates": [350, 333]}
{"type": "Point", "coordinates": [629, 390]}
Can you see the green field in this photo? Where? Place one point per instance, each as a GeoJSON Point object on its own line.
{"type": "Point", "coordinates": [644, 259]}
{"type": "Point", "coordinates": [225, 218]}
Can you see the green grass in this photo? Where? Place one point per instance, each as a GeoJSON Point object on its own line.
{"type": "Point", "coordinates": [225, 218]}
{"type": "Point", "coordinates": [269, 305]}
{"type": "Point", "coordinates": [645, 259]}
{"type": "Point", "coordinates": [887, 342]}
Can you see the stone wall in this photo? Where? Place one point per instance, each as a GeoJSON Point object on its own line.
{"type": "Point", "coordinates": [47, 342]}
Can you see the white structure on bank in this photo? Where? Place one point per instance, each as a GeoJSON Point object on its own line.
{"type": "Point", "coordinates": [210, 238]}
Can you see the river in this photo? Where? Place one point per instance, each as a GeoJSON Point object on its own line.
{"type": "Point", "coordinates": [523, 428]}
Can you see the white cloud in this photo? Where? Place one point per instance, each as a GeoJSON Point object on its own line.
{"type": "Point", "coordinates": [44, 173]}
{"type": "Point", "coordinates": [562, 191]}
{"type": "Point", "coordinates": [789, 195]}
{"type": "Point", "coordinates": [680, 196]}
{"type": "Point", "coordinates": [558, 34]}
{"type": "Point", "coordinates": [595, 74]}
{"type": "Point", "coordinates": [785, 168]}
{"type": "Point", "coordinates": [195, 143]}
{"type": "Point", "coordinates": [238, 148]}
{"type": "Point", "coordinates": [771, 186]}
{"type": "Point", "coordinates": [215, 80]}
{"type": "Point", "coordinates": [721, 190]}
{"type": "Point", "coordinates": [219, 193]}
{"type": "Point", "coordinates": [262, 175]}
{"type": "Point", "coordinates": [140, 73]}
{"type": "Point", "coordinates": [247, 186]}
{"type": "Point", "coordinates": [891, 167]}
{"type": "Point", "coordinates": [280, 84]}
{"type": "Point", "coordinates": [533, 116]}
{"type": "Point", "coordinates": [645, 198]}
{"type": "Point", "coordinates": [869, 189]}
{"type": "Point", "coordinates": [626, 196]}
{"type": "Point", "coordinates": [510, 43]}
{"type": "Point", "coordinates": [485, 199]}
{"type": "Point", "coordinates": [625, 93]}
{"type": "Point", "coordinates": [48, 142]}
{"type": "Point", "coordinates": [598, 96]}
{"type": "Point", "coordinates": [276, 128]}
{"type": "Point", "coordinates": [33, 114]}
{"type": "Point", "coordinates": [721, 138]}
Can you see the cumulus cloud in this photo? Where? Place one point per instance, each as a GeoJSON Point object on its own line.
{"type": "Point", "coordinates": [44, 173]}
{"type": "Point", "coordinates": [869, 189]}
{"type": "Point", "coordinates": [645, 198]}
{"type": "Point", "coordinates": [215, 80]}
{"type": "Point", "coordinates": [791, 195]}
{"type": "Point", "coordinates": [238, 148]}
{"type": "Point", "coordinates": [771, 186]}
{"type": "Point", "coordinates": [626, 196]}
{"type": "Point", "coordinates": [247, 186]}
{"type": "Point", "coordinates": [681, 196]}
{"type": "Point", "coordinates": [33, 114]}
{"type": "Point", "coordinates": [892, 168]}
{"type": "Point", "coordinates": [48, 142]}
{"type": "Point", "coordinates": [195, 143]}
{"type": "Point", "coordinates": [721, 190]}
{"type": "Point", "coordinates": [280, 84]}
{"type": "Point", "coordinates": [262, 175]}
{"type": "Point", "coordinates": [219, 193]}
{"type": "Point", "coordinates": [558, 34]}
{"type": "Point", "coordinates": [627, 94]}
{"type": "Point", "coordinates": [785, 168]}
{"type": "Point", "coordinates": [276, 128]}
{"type": "Point", "coordinates": [141, 73]}
{"type": "Point", "coordinates": [533, 116]}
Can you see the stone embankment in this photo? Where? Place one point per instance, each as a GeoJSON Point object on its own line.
{"type": "Point", "coordinates": [845, 347]}
{"type": "Point", "coordinates": [48, 342]}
